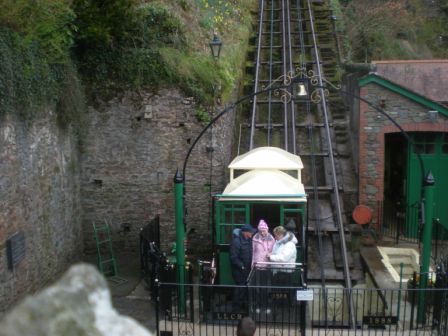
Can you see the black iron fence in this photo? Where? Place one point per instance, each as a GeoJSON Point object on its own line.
{"type": "Point", "coordinates": [402, 224]}
{"type": "Point", "coordinates": [207, 310]}
{"type": "Point", "coordinates": [152, 260]}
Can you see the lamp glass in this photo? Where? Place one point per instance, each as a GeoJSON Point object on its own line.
{"type": "Point", "coordinates": [215, 46]}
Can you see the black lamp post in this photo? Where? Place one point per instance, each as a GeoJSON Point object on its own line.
{"type": "Point", "coordinates": [215, 46]}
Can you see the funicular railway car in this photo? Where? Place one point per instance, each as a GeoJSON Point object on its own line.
{"type": "Point", "coordinates": [265, 183]}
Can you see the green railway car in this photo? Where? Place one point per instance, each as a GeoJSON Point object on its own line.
{"type": "Point", "coordinates": [265, 183]}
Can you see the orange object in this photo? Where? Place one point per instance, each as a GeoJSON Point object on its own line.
{"type": "Point", "coordinates": [362, 214]}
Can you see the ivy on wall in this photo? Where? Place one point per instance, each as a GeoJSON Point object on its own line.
{"type": "Point", "coordinates": [115, 45]}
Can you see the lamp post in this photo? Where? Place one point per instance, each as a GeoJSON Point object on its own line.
{"type": "Point", "coordinates": [179, 192]}
{"type": "Point", "coordinates": [427, 238]}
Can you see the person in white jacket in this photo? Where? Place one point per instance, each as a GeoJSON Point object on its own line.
{"type": "Point", "coordinates": [284, 250]}
{"type": "Point", "coordinates": [284, 253]}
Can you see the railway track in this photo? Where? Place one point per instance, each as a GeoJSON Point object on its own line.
{"type": "Point", "coordinates": [293, 38]}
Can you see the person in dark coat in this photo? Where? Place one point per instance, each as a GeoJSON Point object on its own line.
{"type": "Point", "coordinates": [240, 262]}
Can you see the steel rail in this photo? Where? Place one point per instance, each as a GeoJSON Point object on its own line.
{"type": "Point", "coordinates": [271, 64]}
{"type": "Point", "coordinates": [291, 70]}
{"type": "Point", "coordinates": [285, 103]}
{"type": "Point", "coordinates": [310, 134]}
{"type": "Point", "coordinates": [257, 70]}
{"type": "Point", "coordinates": [348, 282]}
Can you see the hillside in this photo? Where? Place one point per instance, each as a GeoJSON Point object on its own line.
{"type": "Point", "coordinates": [393, 29]}
{"type": "Point", "coordinates": [58, 51]}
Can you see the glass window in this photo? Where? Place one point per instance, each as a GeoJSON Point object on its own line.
{"type": "Point", "coordinates": [233, 216]}
{"type": "Point", "coordinates": [425, 142]}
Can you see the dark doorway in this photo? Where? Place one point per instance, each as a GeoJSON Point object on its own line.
{"type": "Point", "coordinates": [395, 170]}
{"type": "Point", "coordinates": [269, 212]}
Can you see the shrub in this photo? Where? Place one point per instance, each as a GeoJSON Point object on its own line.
{"type": "Point", "coordinates": [122, 49]}
{"type": "Point", "coordinates": [29, 82]}
{"type": "Point", "coordinates": [49, 23]}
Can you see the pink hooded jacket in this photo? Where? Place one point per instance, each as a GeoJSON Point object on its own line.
{"type": "Point", "coordinates": [261, 247]}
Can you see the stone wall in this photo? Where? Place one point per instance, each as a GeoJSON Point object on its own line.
{"type": "Point", "coordinates": [39, 197]}
{"type": "Point", "coordinates": [134, 145]}
{"type": "Point", "coordinates": [373, 127]}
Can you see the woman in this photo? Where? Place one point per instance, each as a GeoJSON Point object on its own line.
{"type": "Point", "coordinates": [284, 253]}
{"type": "Point", "coordinates": [262, 244]}
{"type": "Point", "coordinates": [284, 250]}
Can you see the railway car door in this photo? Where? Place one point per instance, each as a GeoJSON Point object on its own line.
{"type": "Point", "coordinates": [228, 217]}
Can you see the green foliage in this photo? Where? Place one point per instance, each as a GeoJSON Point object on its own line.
{"type": "Point", "coordinates": [219, 14]}
{"type": "Point", "coordinates": [115, 44]}
{"type": "Point", "coordinates": [395, 29]}
{"type": "Point", "coordinates": [203, 116]}
{"type": "Point", "coordinates": [103, 24]}
{"type": "Point", "coordinates": [199, 75]}
{"type": "Point", "coordinates": [36, 71]}
{"type": "Point", "coordinates": [159, 26]}
{"type": "Point", "coordinates": [29, 82]}
{"type": "Point", "coordinates": [48, 23]}
{"type": "Point", "coordinates": [122, 48]}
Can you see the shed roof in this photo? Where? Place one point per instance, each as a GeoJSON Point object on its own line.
{"type": "Point", "coordinates": [272, 185]}
{"type": "Point", "coordinates": [267, 158]}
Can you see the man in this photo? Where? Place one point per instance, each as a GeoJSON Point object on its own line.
{"type": "Point", "coordinates": [240, 262]}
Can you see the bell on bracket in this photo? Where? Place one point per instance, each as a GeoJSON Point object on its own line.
{"type": "Point", "coordinates": [302, 90]}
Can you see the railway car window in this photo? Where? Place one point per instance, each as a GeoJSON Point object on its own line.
{"type": "Point", "coordinates": [231, 216]}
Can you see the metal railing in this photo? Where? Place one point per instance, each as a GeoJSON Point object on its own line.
{"type": "Point", "coordinates": [281, 310]}
{"type": "Point", "coordinates": [151, 258]}
{"type": "Point", "coordinates": [401, 223]}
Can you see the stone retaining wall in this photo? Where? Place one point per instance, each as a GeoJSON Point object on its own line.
{"type": "Point", "coordinates": [134, 145]}
{"type": "Point", "coordinates": [39, 197]}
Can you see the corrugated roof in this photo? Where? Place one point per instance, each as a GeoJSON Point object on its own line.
{"type": "Point", "coordinates": [267, 158]}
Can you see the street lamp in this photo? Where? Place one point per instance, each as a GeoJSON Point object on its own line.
{"type": "Point", "coordinates": [215, 45]}
{"type": "Point", "coordinates": [179, 185]}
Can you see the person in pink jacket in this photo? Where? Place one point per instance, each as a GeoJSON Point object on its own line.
{"type": "Point", "coordinates": [262, 244]}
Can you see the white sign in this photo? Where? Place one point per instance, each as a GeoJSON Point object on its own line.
{"type": "Point", "coordinates": [305, 295]}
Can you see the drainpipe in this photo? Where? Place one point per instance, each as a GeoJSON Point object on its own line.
{"type": "Point", "coordinates": [427, 238]}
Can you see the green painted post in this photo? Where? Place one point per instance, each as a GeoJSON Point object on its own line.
{"type": "Point", "coordinates": [180, 237]}
{"type": "Point", "coordinates": [427, 238]}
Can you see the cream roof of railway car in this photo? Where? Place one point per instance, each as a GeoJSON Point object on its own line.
{"type": "Point", "coordinates": [266, 184]}
{"type": "Point", "coordinates": [267, 158]}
